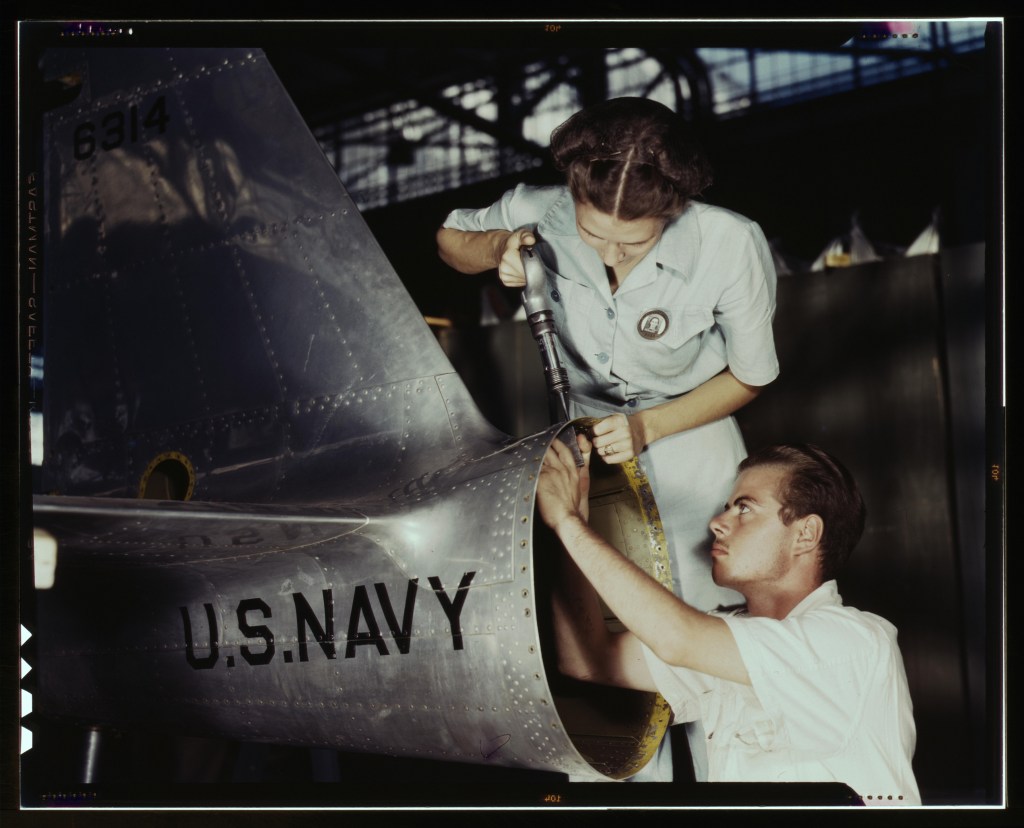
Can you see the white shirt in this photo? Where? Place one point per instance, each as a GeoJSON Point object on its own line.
{"type": "Point", "coordinates": [704, 296]}
{"type": "Point", "coordinates": [828, 702]}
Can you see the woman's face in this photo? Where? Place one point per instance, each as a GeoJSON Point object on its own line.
{"type": "Point", "coordinates": [618, 243]}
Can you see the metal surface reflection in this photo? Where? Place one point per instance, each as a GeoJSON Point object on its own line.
{"type": "Point", "coordinates": [280, 517]}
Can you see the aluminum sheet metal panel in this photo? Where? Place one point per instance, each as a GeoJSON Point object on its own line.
{"type": "Point", "coordinates": [279, 515]}
{"type": "Point", "coordinates": [224, 292]}
{"type": "Point", "coordinates": [417, 631]}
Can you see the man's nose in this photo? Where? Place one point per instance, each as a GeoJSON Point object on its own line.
{"type": "Point", "coordinates": [717, 524]}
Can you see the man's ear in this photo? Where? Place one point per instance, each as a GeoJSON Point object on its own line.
{"type": "Point", "coordinates": [810, 530]}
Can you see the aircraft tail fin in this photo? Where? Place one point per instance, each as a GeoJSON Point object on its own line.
{"type": "Point", "coordinates": [212, 292]}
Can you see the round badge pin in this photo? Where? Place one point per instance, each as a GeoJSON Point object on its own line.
{"type": "Point", "coordinates": [652, 324]}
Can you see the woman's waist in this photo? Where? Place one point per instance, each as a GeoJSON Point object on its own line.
{"type": "Point", "coordinates": [613, 404]}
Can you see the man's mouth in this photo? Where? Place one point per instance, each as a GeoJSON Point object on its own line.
{"type": "Point", "coordinates": [717, 550]}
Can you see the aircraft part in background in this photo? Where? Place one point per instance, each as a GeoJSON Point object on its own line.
{"type": "Point", "coordinates": [280, 517]}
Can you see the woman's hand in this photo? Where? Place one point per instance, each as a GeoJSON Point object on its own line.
{"type": "Point", "coordinates": [510, 261]}
{"type": "Point", "coordinates": [618, 438]}
{"type": "Point", "coordinates": [475, 251]}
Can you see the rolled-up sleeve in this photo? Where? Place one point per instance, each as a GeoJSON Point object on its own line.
{"type": "Point", "coordinates": [681, 687]}
{"type": "Point", "coordinates": [746, 309]}
{"type": "Point", "coordinates": [519, 207]}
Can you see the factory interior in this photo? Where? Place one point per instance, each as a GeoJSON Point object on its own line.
{"type": "Point", "coordinates": [869, 154]}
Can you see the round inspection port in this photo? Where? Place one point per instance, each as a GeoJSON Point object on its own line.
{"type": "Point", "coordinates": [616, 730]}
{"type": "Point", "coordinates": [169, 476]}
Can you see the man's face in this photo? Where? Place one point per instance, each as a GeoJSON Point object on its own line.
{"type": "Point", "coordinates": [752, 545]}
{"type": "Point", "coordinates": [618, 243]}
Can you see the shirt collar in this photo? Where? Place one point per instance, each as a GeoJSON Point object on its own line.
{"type": "Point", "coordinates": [561, 216]}
{"type": "Point", "coordinates": [826, 595]}
{"type": "Point", "coordinates": [679, 246]}
{"type": "Point", "coordinates": [676, 252]}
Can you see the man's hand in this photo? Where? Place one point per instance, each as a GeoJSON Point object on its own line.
{"type": "Point", "coordinates": [562, 487]}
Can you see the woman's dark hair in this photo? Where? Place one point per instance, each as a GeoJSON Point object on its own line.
{"type": "Point", "coordinates": [631, 158]}
{"type": "Point", "coordinates": [816, 483]}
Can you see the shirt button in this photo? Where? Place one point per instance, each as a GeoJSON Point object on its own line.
{"type": "Point", "coordinates": [555, 296]}
{"type": "Point", "coordinates": [610, 312]}
{"type": "Point", "coordinates": [602, 358]}
{"type": "Point", "coordinates": [631, 403]}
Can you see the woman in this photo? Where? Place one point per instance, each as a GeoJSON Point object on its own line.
{"type": "Point", "coordinates": [663, 305]}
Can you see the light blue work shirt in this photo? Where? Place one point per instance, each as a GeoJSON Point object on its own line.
{"type": "Point", "coordinates": [701, 300]}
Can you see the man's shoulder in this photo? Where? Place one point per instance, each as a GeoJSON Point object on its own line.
{"type": "Point", "coordinates": [823, 622]}
{"type": "Point", "coordinates": [856, 628]}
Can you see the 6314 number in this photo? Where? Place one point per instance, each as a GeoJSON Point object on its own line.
{"type": "Point", "coordinates": [119, 127]}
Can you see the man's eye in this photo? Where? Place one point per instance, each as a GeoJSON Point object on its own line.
{"type": "Point", "coordinates": [743, 508]}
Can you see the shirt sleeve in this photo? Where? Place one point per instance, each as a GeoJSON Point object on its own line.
{"type": "Point", "coordinates": [813, 674]}
{"type": "Point", "coordinates": [522, 206]}
{"type": "Point", "coordinates": [746, 308]}
{"type": "Point", "coordinates": [679, 686]}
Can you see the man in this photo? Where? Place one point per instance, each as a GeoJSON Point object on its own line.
{"type": "Point", "coordinates": [796, 687]}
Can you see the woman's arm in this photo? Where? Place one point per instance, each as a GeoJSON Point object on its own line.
{"type": "Point", "coordinates": [619, 438]}
{"type": "Point", "coordinates": [474, 251]}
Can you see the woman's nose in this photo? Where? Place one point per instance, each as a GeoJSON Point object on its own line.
{"type": "Point", "coordinates": [613, 254]}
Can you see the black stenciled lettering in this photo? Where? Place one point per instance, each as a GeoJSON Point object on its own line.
{"type": "Point", "coordinates": [157, 116]}
{"type": "Point", "coordinates": [206, 662]}
{"type": "Point", "coordinates": [361, 609]}
{"type": "Point", "coordinates": [186, 540]}
{"type": "Point", "coordinates": [305, 617]}
{"type": "Point", "coordinates": [118, 129]}
{"type": "Point", "coordinates": [244, 607]}
{"type": "Point", "coordinates": [401, 635]}
{"type": "Point", "coordinates": [453, 609]}
{"type": "Point", "coordinates": [85, 140]}
{"type": "Point", "coordinates": [113, 125]}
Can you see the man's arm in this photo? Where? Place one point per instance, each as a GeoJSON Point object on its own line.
{"type": "Point", "coordinates": [677, 633]}
{"type": "Point", "coordinates": [587, 649]}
